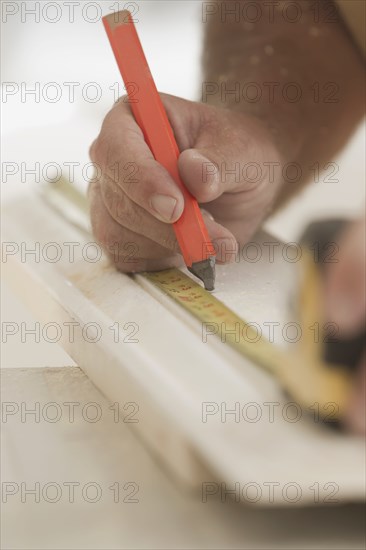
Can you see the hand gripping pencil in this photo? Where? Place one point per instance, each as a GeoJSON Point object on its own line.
{"type": "Point", "coordinates": [148, 110]}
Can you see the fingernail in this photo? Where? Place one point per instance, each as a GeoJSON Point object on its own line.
{"type": "Point", "coordinates": [210, 172]}
{"type": "Point", "coordinates": [164, 207]}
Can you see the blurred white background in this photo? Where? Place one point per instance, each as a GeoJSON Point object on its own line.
{"type": "Point", "coordinates": [37, 53]}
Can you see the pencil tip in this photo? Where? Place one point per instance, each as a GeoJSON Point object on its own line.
{"type": "Point", "coordinates": [205, 270]}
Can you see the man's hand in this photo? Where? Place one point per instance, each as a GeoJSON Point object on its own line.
{"type": "Point", "coordinates": [346, 306]}
{"type": "Point", "coordinates": [226, 162]}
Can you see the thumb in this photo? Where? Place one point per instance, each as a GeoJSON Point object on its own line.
{"type": "Point", "coordinates": [208, 175]}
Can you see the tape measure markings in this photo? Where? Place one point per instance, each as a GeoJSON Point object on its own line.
{"type": "Point", "coordinates": [209, 310]}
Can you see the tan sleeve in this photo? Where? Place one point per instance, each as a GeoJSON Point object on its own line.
{"type": "Point", "coordinates": [354, 15]}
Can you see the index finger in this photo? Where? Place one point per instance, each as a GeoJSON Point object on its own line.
{"type": "Point", "coordinates": [121, 152]}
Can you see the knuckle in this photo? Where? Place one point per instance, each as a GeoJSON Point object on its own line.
{"type": "Point", "coordinates": [92, 150]}
{"type": "Point", "coordinates": [101, 149]}
{"type": "Point", "coordinates": [121, 208]}
{"type": "Point", "coordinates": [170, 242]}
{"type": "Point", "coordinates": [122, 101]}
{"type": "Point", "coordinates": [92, 189]}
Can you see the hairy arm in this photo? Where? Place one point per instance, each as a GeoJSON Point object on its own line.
{"type": "Point", "coordinates": [294, 67]}
{"type": "Point", "coordinates": [298, 96]}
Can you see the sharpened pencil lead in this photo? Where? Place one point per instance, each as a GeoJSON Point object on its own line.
{"type": "Point", "coordinates": [205, 270]}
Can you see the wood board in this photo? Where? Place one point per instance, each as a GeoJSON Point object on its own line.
{"type": "Point", "coordinates": [170, 372]}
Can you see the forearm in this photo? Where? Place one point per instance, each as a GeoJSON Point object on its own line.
{"type": "Point", "coordinates": [304, 80]}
